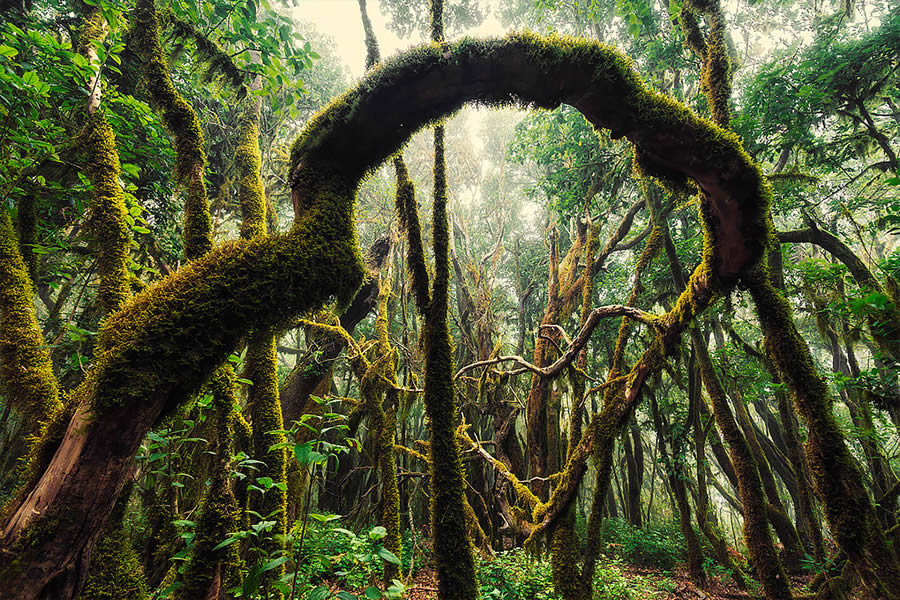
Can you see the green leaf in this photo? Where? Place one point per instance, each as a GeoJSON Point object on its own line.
{"type": "Point", "coordinates": [227, 542]}
{"type": "Point", "coordinates": [276, 562]}
{"type": "Point", "coordinates": [244, 381]}
{"type": "Point", "coordinates": [8, 51]}
{"type": "Point", "coordinates": [377, 532]}
{"type": "Point", "coordinates": [344, 595]}
{"type": "Point", "coordinates": [319, 593]}
{"type": "Point", "coordinates": [183, 523]}
{"type": "Point", "coordinates": [372, 593]}
{"type": "Point", "coordinates": [388, 556]}
{"type": "Point", "coordinates": [324, 518]}
{"type": "Point", "coordinates": [346, 532]}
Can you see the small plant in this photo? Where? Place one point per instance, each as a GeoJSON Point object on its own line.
{"type": "Point", "coordinates": [713, 568]}
{"type": "Point", "coordinates": [610, 584]}
{"type": "Point", "coordinates": [659, 545]}
{"type": "Point", "coordinates": [360, 565]}
{"type": "Point", "coordinates": [809, 564]}
{"type": "Point", "coordinates": [514, 575]}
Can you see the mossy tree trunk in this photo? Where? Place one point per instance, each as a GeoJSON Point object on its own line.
{"type": "Point", "coordinates": [705, 513]}
{"type": "Point", "coordinates": [181, 120]}
{"type": "Point", "coordinates": [164, 343]}
{"type": "Point", "coordinates": [848, 508]}
{"type": "Point", "coordinates": [676, 482]}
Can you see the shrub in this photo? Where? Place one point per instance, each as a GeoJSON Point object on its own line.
{"type": "Point", "coordinates": [659, 545]}
{"type": "Point", "coordinates": [515, 575]}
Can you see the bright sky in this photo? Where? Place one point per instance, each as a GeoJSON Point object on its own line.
{"type": "Point", "coordinates": [340, 19]}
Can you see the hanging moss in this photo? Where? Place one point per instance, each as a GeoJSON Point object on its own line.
{"type": "Point", "coordinates": [181, 121]}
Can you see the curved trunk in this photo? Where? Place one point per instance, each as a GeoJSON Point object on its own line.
{"type": "Point", "coordinates": [163, 344]}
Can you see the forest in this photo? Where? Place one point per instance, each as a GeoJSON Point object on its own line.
{"type": "Point", "coordinates": [536, 299]}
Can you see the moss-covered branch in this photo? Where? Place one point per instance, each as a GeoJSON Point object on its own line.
{"type": "Point", "coordinates": [26, 371]}
{"type": "Point", "coordinates": [848, 508]}
{"type": "Point", "coordinates": [165, 342]}
{"type": "Point", "coordinates": [107, 219]}
{"type": "Point", "coordinates": [181, 121]}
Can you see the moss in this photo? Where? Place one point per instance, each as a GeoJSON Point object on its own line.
{"type": "Point", "coordinates": [171, 337]}
{"type": "Point", "coordinates": [408, 213]}
{"type": "Point", "coordinates": [716, 74]}
{"type": "Point", "coordinates": [848, 508]}
{"type": "Point", "coordinates": [219, 64]}
{"type": "Point", "coordinates": [115, 571]}
{"type": "Point", "coordinates": [247, 161]}
{"type": "Point", "coordinates": [565, 557]}
{"type": "Point", "coordinates": [523, 494]}
{"type": "Point", "coordinates": [261, 368]}
{"type": "Point", "coordinates": [208, 569]}
{"type": "Point", "coordinates": [107, 219]}
{"type": "Point", "coordinates": [380, 380]}
{"type": "Point", "coordinates": [26, 371]}
{"type": "Point", "coordinates": [184, 126]}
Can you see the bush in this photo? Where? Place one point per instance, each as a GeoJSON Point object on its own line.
{"type": "Point", "coordinates": [515, 575]}
{"type": "Point", "coordinates": [659, 545]}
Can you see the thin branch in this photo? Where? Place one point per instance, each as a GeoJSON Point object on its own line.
{"type": "Point", "coordinates": [602, 312]}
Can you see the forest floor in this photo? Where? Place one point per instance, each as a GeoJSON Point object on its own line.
{"type": "Point", "coordinates": [643, 583]}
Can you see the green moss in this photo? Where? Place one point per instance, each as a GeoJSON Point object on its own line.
{"type": "Point", "coordinates": [171, 337]}
{"type": "Point", "coordinates": [565, 557]}
{"type": "Point", "coordinates": [848, 508]}
{"type": "Point", "coordinates": [209, 304]}
{"type": "Point", "coordinates": [261, 368]}
{"type": "Point", "coordinates": [408, 213]}
{"type": "Point", "coordinates": [115, 571]}
{"type": "Point", "coordinates": [219, 64]}
{"type": "Point", "coordinates": [181, 121]}
{"type": "Point", "coordinates": [107, 219]}
{"type": "Point", "coordinates": [247, 162]}
{"type": "Point", "coordinates": [26, 371]}
{"type": "Point", "coordinates": [209, 569]}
